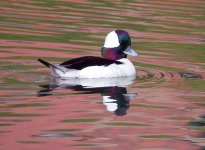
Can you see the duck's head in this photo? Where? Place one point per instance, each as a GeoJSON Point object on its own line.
{"type": "Point", "coordinates": [117, 45]}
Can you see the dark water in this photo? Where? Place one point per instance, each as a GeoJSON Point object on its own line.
{"type": "Point", "coordinates": [161, 108]}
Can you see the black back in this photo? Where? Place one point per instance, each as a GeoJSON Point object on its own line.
{"type": "Point", "coordinates": [87, 61]}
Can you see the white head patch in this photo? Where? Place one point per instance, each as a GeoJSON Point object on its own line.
{"type": "Point", "coordinates": [111, 40]}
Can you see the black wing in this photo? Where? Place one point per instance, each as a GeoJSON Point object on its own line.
{"type": "Point", "coordinates": [86, 61]}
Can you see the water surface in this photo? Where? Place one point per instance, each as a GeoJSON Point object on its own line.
{"type": "Point", "coordinates": [161, 108]}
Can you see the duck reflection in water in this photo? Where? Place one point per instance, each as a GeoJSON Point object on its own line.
{"type": "Point", "coordinates": [113, 90]}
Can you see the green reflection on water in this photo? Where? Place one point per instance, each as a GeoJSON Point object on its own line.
{"type": "Point", "coordinates": [30, 142]}
{"type": "Point", "coordinates": [25, 105]}
{"type": "Point", "coordinates": [200, 129]}
{"type": "Point", "coordinates": [182, 51]}
{"type": "Point", "coordinates": [16, 81]}
{"type": "Point", "coordinates": [85, 145]}
{"type": "Point", "coordinates": [165, 68]}
{"type": "Point", "coordinates": [61, 38]}
{"type": "Point", "coordinates": [9, 114]}
{"type": "Point", "coordinates": [197, 85]}
{"type": "Point", "coordinates": [19, 67]}
{"type": "Point", "coordinates": [127, 124]}
{"type": "Point", "coordinates": [158, 136]}
{"type": "Point", "coordinates": [6, 124]}
{"type": "Point", "coordinates": [81, 120]}
{"type": "Point", "coordinates": [63, 130]}
{"type": "Point", "coordinates": [179, 117]}
{"type": "Point", "coordinates": [150, 106]}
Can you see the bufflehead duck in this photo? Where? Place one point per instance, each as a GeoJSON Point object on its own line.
{"type": "Point", "coordinates": [114, 64]}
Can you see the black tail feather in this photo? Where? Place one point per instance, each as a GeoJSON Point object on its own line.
{"type": "Point", "coordinates": [50, 65]}
{"type": "Point", "coordinates": [45, 63]}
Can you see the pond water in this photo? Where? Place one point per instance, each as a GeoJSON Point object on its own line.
{"type": "Point", "coordinates": [161, 108]}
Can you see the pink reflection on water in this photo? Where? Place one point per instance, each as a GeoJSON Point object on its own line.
{"type": "Point", "coordinates": [102, 133]}
{"type": "Point", "coordinates": [158, 118]}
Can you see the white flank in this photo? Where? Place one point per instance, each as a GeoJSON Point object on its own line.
{"type": "Point", "coordinates": [123, 70]}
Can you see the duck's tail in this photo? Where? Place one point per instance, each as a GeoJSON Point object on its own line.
{"type": "Point", "coordinates": [54, 68]}
{"type": "Point", "coordinates": [45, 63]}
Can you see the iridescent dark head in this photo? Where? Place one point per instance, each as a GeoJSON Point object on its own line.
{"type": "Point", "coordinates": [117, 45]}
